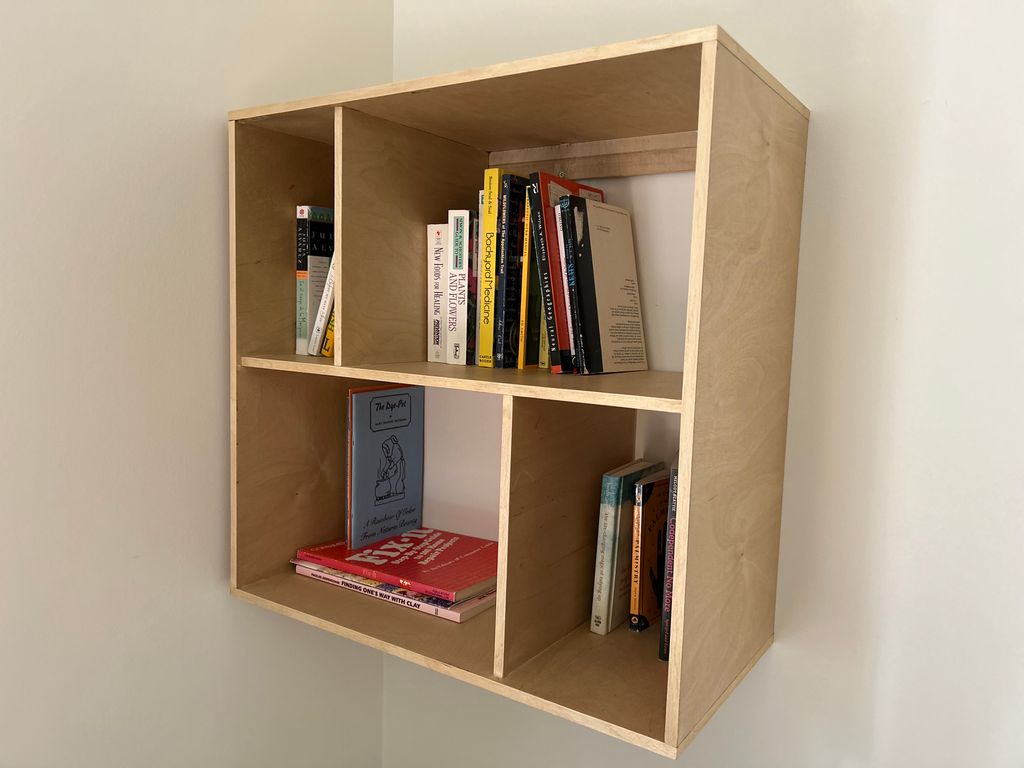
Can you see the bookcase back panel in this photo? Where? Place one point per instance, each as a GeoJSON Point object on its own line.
{"type": "Point", "coordinates": [290, 460]}
{"type": "Point", "coordinates": [640, 94]}
{"type": "Point", "coordinates": [273, 173]}
{"type": "Point", "coordinates": [393, 182]}
{"type": "Point", "coordinates": [557, 453]}
{"type": "Point", "coordinates": [735, 386]}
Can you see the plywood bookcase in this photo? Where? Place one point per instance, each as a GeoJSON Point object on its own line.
{"type": "Point", "coordinates": [391, 159]}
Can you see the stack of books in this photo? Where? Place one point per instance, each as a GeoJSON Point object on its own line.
{"type": "Point", "coordinates": [542, 273]}
{"type": "Point", "coordinates": [314, 281]}
{"type": "Point", "coordinates": [447, 575]}
{"type": "Point", "coordinates": [388, 554]}
{"type": "Point", "coordinates": [636, 549]}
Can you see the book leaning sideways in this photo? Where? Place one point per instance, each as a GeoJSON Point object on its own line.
{"type": "Point", "coordinates": [385, 462]}
{"type": "Point", "coordinates": [447, 565]}
{"type": "Point", "coordinates": [435, 606]}
{"type": "Point", "coordinates": [314, 245]}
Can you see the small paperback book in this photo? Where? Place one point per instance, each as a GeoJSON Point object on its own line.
{"type": "Point", "coordinates": [615, 545]}
{"type": "Point", "coordinates": [650, 509]}
{"type": "Point", "coordinates": [437, 328]}
{"type": "Point", "coordinates": [314, 244]}
{"type": "Point", "coordinates": [447, 565]}
{"type": "Point", "coordinates": [385, 462]}
{"type": "Point", "coordinates": [458, 257]}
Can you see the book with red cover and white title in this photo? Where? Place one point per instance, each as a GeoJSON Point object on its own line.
{"type": "Point", "coordinates": [448, 565]}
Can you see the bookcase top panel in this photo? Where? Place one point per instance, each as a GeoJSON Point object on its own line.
{"type": "Point", "coordinates": [636, 88]}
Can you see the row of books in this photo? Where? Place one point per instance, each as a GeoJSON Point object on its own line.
{"type": "Point", "coordinates": [542, 273]}
{"type": "Point", "coordinates": [636, 549]}
{"type": "Point", "coordinates": [314, 281]}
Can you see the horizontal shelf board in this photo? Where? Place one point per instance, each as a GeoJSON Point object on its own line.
{"type": "Point", "coordinates": [468, 646]}
{"type": "Point", "coordinates": [643, 390]}
{"type": "Point", "coordinates": [617, 678]}
{"type": "Point", "coordinates": [564, 680]}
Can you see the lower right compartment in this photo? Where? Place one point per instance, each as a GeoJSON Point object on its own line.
{"type": "Point", "coordinates": [555, 455]}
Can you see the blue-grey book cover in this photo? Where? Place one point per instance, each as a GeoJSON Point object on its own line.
{"type": "Point", "coordinates": [385, 463]}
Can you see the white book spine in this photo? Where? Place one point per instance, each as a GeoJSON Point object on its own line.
{"type": "Point", "coordinates": [607, 525]}
{"type": "Point", "coordinates": [323, 313]}
{"type": "Point", "coordinates": [437, 244]}
{"type": "Point", "coordinates": [457, 276]}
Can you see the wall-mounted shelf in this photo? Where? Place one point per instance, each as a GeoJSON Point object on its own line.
{"type": "Point", "coordinates": [391, 159]}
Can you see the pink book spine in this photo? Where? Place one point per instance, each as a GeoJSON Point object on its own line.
{"type": "Point", "coordinates": [465, 609]}
{"type": "Point", "coordinates": [370, 573]}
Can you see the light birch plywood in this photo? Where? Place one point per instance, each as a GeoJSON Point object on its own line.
{"type": "Point", "coordinates": [748, 198]}
{"type": "Point", "coordinates": [557, 455]}
{"type": "Point", "coordinates": [532, 83]}
{"type": "Point", "coordinates": [641, 390]}
{"type": "Point", "coordinates": [273, 173]}
{"type": "Point", "coordinates": [290, 454]}
{"type": "Point", "coordinates": [393, 182]}
{"type": "Point", "coordinates": [612, 158]}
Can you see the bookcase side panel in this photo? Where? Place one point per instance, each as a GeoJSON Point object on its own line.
{"type": "Point", "coordinates": [736, 386]}
{"type": "Point", "coordinates": [394, 181]}
{"type": "Point", "coordinates": [291, 467]}
{"type": "Point", "coordinates": [558, 453]}
{"type": "Point", "coordinates": [273, 173]}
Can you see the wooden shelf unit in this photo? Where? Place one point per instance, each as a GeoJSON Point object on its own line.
{"type": "Point", "coordinates": [391, 159]}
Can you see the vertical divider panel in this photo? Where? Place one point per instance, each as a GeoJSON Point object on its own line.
{"type": "Point", "coordinates": [392, 181]}
{"type": "Point", "coordinates": [748, 197]}
{"type": "Point", "coordinates": [507, 413]}
{"type": "Point", "coordinates": [554, 458]}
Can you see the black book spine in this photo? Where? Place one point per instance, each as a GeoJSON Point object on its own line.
{"type": "Point", "coordinates": [540, 250]}
{"type": "Point", "coordinates": [502, 272]}
{"type": "Point", "coordinates": [586, 290]}
{"type": "Point", "coordinates": [565, 208]}
{"type": "Point", "coordinates": [516, 204]}
{"type": "Point", "coordinates": [665, 638]}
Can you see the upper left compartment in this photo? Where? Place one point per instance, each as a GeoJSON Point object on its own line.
{"type": "Point", "coordinates": [279, 162]}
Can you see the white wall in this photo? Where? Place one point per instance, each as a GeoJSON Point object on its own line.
{"type": "Point", "coordinates": [900, 614]}
{"type": "Point", "coordinates": [119, 644]}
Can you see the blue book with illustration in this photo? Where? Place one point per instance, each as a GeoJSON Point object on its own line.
{"type": "Point", "coordinates": [385, 463]}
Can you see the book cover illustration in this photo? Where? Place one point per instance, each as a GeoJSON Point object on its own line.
{"type": "Point", "coordinates": [448, 565]}
{"type": "Point", "coordinates": [385, 462]}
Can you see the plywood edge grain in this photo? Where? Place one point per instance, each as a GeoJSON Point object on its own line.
{"type": "Point", "coordinates": [233, 351]}
{"type": "Point", "coordinates": [507, 406]}
{"type": "Point", "coordinates": [486, 683]}
{"type": "Point", "coordinates": [551, 391]}
{"type": "Point", "coordinates": [754, 66]}
{"type": "Point", "coordinates": [520, 66]}
{"type": "Point", "coordinates": [689, 737]}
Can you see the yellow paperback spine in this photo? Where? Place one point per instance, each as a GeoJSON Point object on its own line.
{"type": "Point", "coordinates": [488, 269]}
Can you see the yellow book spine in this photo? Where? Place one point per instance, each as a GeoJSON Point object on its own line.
{"type": "Point", "coordinates": [327, 348]}
{"type": "Point", "coordinates": [543, 361]}
{"type": "Point", "coordinates": [524, 286]}
{"type": "Point", "coordinates": [488, 269]}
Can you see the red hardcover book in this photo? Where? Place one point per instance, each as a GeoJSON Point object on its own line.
{"type": "Point", "coordinates": [450, 566]}
{"type": "Point", "coordinates": [550, 188]}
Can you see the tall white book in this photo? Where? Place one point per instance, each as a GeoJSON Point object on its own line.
{"type": "Point", "coordinates": [459, 223]}
{"type": "Point", "coordinates": [437, 245]}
